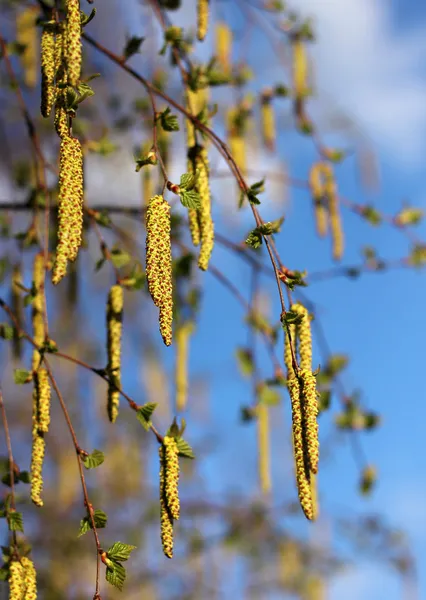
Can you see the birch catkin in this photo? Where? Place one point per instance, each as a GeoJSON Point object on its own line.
{"type": "Point", "coordinates": [38, 307]}
{"type": "Point", "coordinates": [26, 36]}
{"type": "Point", "coordinates": [114, 328]}
{"type": "Point", "coordinates": [300, 67]}
{"type": "Point", "coordinates": [165, 516]}
{"type": "Point", "coordinates": [159, 263]}
{"type": "Point", "coordinates": [263, 442]}
{"type": "Point", "coordinates": [171, 476]}
{"type": "Point", "coordinates": [73, 42]}
{"type": "Point", "coordinates": [334, 215]}
{"type": "Point", "coordinates": [202, 18]}
{"type": "Point", "coordinates": [17, 309]}
{"type": "Point", "coordinates": [37, 459]}
{"type": "Point", "coordinates": [181, 368]}
{"type": "Point", "coordinates": [204, 213]}
{"type": "Point", "coordinates": [16, 581]}
{"type": "Point", "coordinates": [70, 212]}
{"type": "Point", "coordinates": [317, 187]}
{"type": "Point", "coordinates": [48, 91]}
{"type": "Point", "coordinates": [30, 578]}
{"type": "Point", "coordinates": [223, 46]}
{"type": "Point", "coordinates": [42, 399]}
{"type": "Point", "coordinates": [268, 120]}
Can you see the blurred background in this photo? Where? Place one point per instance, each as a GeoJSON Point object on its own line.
{"type": "Point", "coordinates": [367, 77]}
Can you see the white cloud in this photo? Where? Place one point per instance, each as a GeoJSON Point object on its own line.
{"type": "Point", "coordinates": [372, 72]}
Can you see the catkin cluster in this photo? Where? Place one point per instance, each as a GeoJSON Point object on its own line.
{"type": "Point", "coordinates": [48, 71]}
{"type": "Point", "coordinates": [114, 328]}
{"type": "Point", "coordinates": [268, 120]}
{"type": "Point", "coordinates": [37, 307]}
{"type": "Point", "coordinates": [201, 163]}
{"type": "Point", "coordinates": [303, 395]}
{"type": "Point", "coordinates": [169, 494]}
{"type": "Point", "coordinates": [22, 580]}
{"type": "Point", "coordinates": [159, 262]}
{"type": "Point", "coordinates": [70, 212]}
{"type": "Point", "coordinates": [41, 421]}
{"type": "Point", "coordinates": [202, 18]}
{"type": "Point", "coordinates": [326, 205]}
{"type": "Point", "coordinates": [183, 334]}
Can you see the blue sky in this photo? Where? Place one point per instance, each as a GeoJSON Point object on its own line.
{"type": "Point", "coordinates": [370, 60]}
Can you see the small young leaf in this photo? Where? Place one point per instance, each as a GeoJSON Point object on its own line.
{"type": "Point", "coordinates": [190, 199]}
{"type": "Point", "coordinates": [271, 227]}
{"type": "Point", "coordinates": [6, 331]}
{"type": "Point", "coordinates": [4, 574]}
{"type": "Point", "coordinates": [116, 575]}
{"type": "Point", "coordinates": [132, 46]}
{"type": "Point", "coordinates": [25, 477]}
{"type": "Point", "coordinates": [187, 181]}
{"type": "Point", "coordinates": [245, 361]}
{"type": "Point", "coordinates": [254, 238]}
{"type": "Point", "coordinates": [100, 519]}
{"type": "Point", "coordinates": [169, 121]}
{"type": "Point", "coordinates": [184, 448]}
{"type": "Point", "coordinates": [144, 414]}
{"type": "Point", "coordinates": [269, 396]}
{"type": "Point", "coordinates": [120, 552]}
{"type": "Point", "coordinates": [371, 215]}
{"type": "Point", "coordinates": [21, 376]}
{"type": "Point", "coordinates": [368, 480]}
{"type": "Point", "coordinates": [91, 461]}
{"type": "Point", "coordinates": [119, 258]}
{"type": "Point", "coordinates": [15, 521]}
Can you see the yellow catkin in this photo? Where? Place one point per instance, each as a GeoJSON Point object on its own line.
{"type": "Point", "coordinates": [38, 307]}
{"type": "Point", "coordinates": [171, 476]}
{"type": "Point", "coordinates": [165, 516]}
{"type": "Point", "coordinates": [268, 120]}
{"type": "Point", "coordinates": [16, 581]}
{"type": "Point", "coordinates": [73, 41]}
{"type": "Point", "coordinates": [314, 588]}
{"type": "Point", "coordinates": [30, 578]}
{"type": "Point", "coordinates": [314, 495]}
{"type": "Point", "coordinates": [334, 215]}
{"type": "Point", "coordinates": [61, 114]}
{"type": "Point", "coordinates": [48, 90]}
{"type": "Point", "coordinates": [236, 142]}
{"type": "Point", "coordinates": [288, 356]}
{"type": "Point", "coordinates": [202, 18]}
{"type": "Point", "coordinates": [17, 308]}
{"type": "Point", "coordinates": [316, 185]}
{"type": "Point", "coordinates": [291, 563]}
{"type": "Point", "coordinates": [223, 46]}
{"type": "Point", "coordinates": [263, 442]}
{"type": "Point", "coordinates": [26, 35]}
{"type": "Point", "coordinates": [308, 392]}
{"type": "Point", "coordinates": [204, 213]}
{"type": "Point", "coordinates": [70, 212]}
{"type": "Point", "coordinates": [302, 472]}
{"type": "Point", "coordinates": [37, 459]}
{"type": "Point", "coordinates": [42, 399]}
{"type": "Point", "coordinates": [159, 263]}
{"type": "Point", "coordinates": [114, 328]}
{"type": "Point", "coordinates": [181, 368]}
{"type": "Point", "coordinates": [147, 186]}
{"type": "Point", "coordinates": [300, 68]}
{"type": "Point", "coordinates": [304, 336]}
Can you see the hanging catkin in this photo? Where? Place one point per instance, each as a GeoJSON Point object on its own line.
{"type": "Point", "coordinates": [17, 309]}
{"type": "Point", "coordinates": [16, 581]}
{"type": "Point", "coordinates": [304, 336]}
{"type": "Point", "coordinates": [61, 113]}
{"type": "Point", "coordinates": [182, 336]}
{"type": "Point", "coordinates": [194, 102]}
{"type": "Point", "coordinates": [235, 139]}
{"type": "Point", "coordinates": [70, 211]}
{"type": "Point", "coordinates": [26, 37]}
{"type": "Point", "coordinates": [204, 213]}
{"type": "Point", "coordinates": [263, 443]}
{"type": "Point", "coordinates": [268, 119]}
{"type": "Point", "coordinates": [114, 328]}
{"type": "Point", "coordinates": [37, 459]}
{"type": "Point", "coordinates": [165, 516]}
{"type": "Point", "coordinates": [48, 90]}
{"type": "Point", "coordinates": [171, 476]}
{"type": "Point", "coordinates": [300, 67]}
{"type": "Point", "coordinates": [42, 399]}
{"type": "Point", "coordinates": [202, 18]}
{"type": "Point", "coordinates": [317, 188]}
{"type": "Point", "coordinates": [73, 41]}
{"type": "Point", "coordinates": [30, 578]}
{"type": "Point", "coordinates": [159, 262]}
{"type": "Point", "coordinates": [223, 47]}
{"type": "Point", "coordinates": [334, 214]}
{"type": "Point", "coordinates": [37, 307]}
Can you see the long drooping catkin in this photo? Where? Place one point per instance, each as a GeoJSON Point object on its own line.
{"type": "Point", "coordinates": [37, 307]}
{"type": "Point", "coordinates": [70, 212]}
{"type": "Point", "coordinates": [159, 262]}
{"type": "Point", "coordinates": [334, 215]}
{"type": "Point", "coordinates": [204, 213]}
{"type": "Point", "coordinates": [48, 70]}
{"type": "Point", "coordinates": [17, 309]}
{"type": "Point", "coordinates": [42, 399]}
{"type": "Point", "coordinates": [73, 42]}
{"type": "Point", "coordinates": [195, 102]}
{"type": "Point", "coordinates": [308, 394]}
{"type": "Point", "coordinates": [268, 120]}
{"type": "Point", "coordinates": [202, 18]}
{"type": "Point", "coordinates": [300, 67]}
{"type": "Point", "coordinates": [304, 336]}
{"type": "Point", "coordinates": [288, 355]}
{"type": "Point", "coordinates": [114, 328]}
{"type": "Point", "coordinates": [171, 476]}
{"type": "Point", "coordinates": [181, 368]}
{"type": "Point", "coordinates": [30, 578]}
{"type": "Point", "coordinates": [16, 581]}
{"type": "Point", "coordinates": [236, 142]}
{"type": "Point", "coordinates": [317, 187]}
{"type": "Point", "coordinates": [37, 459]}
{"type": "Point", "coordinates": [223, 46]}
{"type": "Point", "coordinates": [61, 113]}
{"type": "Point", "coordinates": [26, 37]}
{"type": "Point", "coordinates": [263, 443]}
{"type": "Point", "coordinates": [165, 516]}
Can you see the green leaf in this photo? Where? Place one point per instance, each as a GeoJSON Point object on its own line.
{"type": "Point", "coordinates": [6, 331]}
{"type": "Point", "coordinates": [187, 181]}
{"type": "Point", "coordinates": [190, 199]}
{"type": "Point", "coordinates": [93, 460]}
{"type": "Point", "coordinates": [148, 159]}
{"type": "Point", "coordinates": [271, 227]}
{"type": "Point", "coordinates": [4, 574]}
{"type": "Point", "coordinates": [409, 216]}
{"type": "Point", "coordinates": [368, 480]}
{"type": "Point", "coordinates": [15, 521]}
{"type": "Point", "coordinates": [254, 238]}
{"type": "Point", "coordinates": [85, 19]}
{"type": "Point", "coordinates": [184, 448]}
{"type": "Point", "coordinates": [100, 519]}
{"type": "Point", "coordinates": [132, 46]}
{"type": "Point", "coordinates": [136, 279]}
{"type": "Point", "coordinates": [144, 414]}
{"type": "Point", "coordinates": [119, 258]}
{"type": "Point", "coordinates": [247, 414]}
{"type": "Point", "coordinates": [100, 263]}
{"type": "Point", "coordinates": [291, 318]}
{"type": "Point", "coordinates": [116, 575]}
{"type": "Point", "coordinates": [418, 255]}
{"type": "Point", "coordinates": [169, 121]}
{"type": "Point", "coordinates": [335, 364]}
{"type": "Point", "coordinates": [25, 477]}
{"type": "Point", "coordinates": [268, 395]}
{"type": "Point", "coordinates": [21, 376]}
{"type": "Point", "coordinates": [120, 552]}
{"type": "Point", "coordinates": [295, 278]}
{"type": "Point", "coordinates": [245, 361]}
{"type": "Point", "coordinates": [371, 215]}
